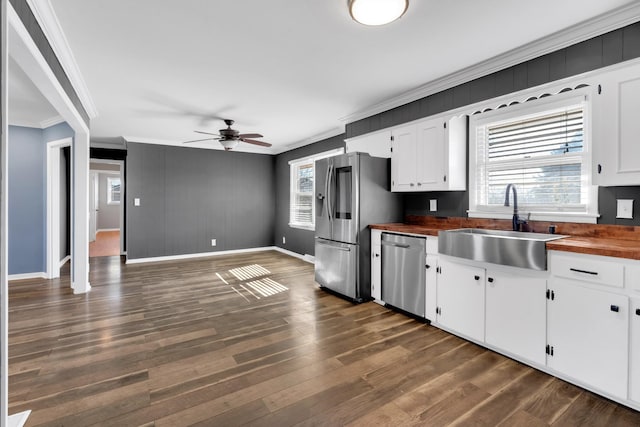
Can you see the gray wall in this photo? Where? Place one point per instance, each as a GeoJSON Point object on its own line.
{"type": "Point", "coordinates": [616, 46]}
{"type": "Point", "coordinates": [298, 240]}
{"type": "Point", "coordinates": [190, 196]}
{"type": "Point", "coordinates": [27, 200]}
{"type": "Point", "coordinates": [108, 215]}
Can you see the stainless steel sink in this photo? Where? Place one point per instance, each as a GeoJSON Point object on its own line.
{"type": "Point", "coordinates": [514, 248]}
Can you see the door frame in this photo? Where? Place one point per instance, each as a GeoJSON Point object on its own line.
{"type": "Point", "coordinates": [54, 149]}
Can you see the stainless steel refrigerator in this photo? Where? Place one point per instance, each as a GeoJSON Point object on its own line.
{"type": "Point", "coordinates": [352, 192]}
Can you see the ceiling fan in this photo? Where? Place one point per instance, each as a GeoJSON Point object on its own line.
{"type": "Point", "coordinates": [229, 138]}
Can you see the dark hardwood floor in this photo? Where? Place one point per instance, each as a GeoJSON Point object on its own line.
{"type": "Point", "coordinates": [251, 340]}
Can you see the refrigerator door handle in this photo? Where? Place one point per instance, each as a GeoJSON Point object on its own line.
{"type": "Point", "coordinates": [340, 248]}
{"type": "Point", "coordinates": [328, 191]}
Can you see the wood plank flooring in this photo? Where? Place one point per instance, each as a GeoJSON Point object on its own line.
{"type": "Point", "coordinates": [251, 340]}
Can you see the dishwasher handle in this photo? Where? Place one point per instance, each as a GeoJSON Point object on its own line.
{"type": "Point", "coordinates": [396, 245]}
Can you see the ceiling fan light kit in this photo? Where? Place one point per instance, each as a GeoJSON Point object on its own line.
{"type": "Point", "coordinates": [229, 137]}
{"type": "Point", "coordinates": [377, 12]}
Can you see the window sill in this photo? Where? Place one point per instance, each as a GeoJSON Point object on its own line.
{"type": "Point", "coordinates": [303, 227]}
{"type": "Point", "coordinates": [585, 218]}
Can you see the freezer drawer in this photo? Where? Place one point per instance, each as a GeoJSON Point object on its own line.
{"type": "Point", "coordinates": [403, 272]}
{"type": "Point", "coordinates": [336, 266]}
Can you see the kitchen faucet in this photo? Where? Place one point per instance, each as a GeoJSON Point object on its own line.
{"type": "Point", "coordinates": [516, 221]}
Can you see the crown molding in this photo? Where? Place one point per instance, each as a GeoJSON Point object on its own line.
{"type": "Point", "coordinates": [52, 121]}
{"type": "Point", "coordinates": [316, 138]}
{"type": "Point", "coordinates": [585, 30]}
{"type": "Point", "coordinates": [46, 17]}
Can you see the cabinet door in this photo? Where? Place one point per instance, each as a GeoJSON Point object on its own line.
{"type": "Point", "coordinates": [588, 332]}
{"type": "Point", "coordinates": [461, 298]}
{"type": "Point", "coordinates": [430, 155]}
{"type": "Point", "coordinates": [634, 354]}
{"type": "Point", "coordinates": [403, 159]}
{"type": "Point", "coordinates": [516, 314]}
{"type": "Point", "coordinates": [376, 265]}
{"type": "Point", "coordinates": [431, 287]}
{"type": "Point", "coordinates": [616, 128]}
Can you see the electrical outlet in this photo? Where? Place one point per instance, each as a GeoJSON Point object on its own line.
{"type": "Point", "coordinates": [284, 240]}
{"type": "Point", "coordinates": [433, 205]}
{"type": "Point", "coordinates": [625, 208]}
{"type": "Point", "coordinates": [213, 242]}
{"type": "Point", "coordinates": [136, 201]}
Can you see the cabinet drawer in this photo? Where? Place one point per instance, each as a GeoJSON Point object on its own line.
{"type": "Point", "coordinates": [587, 268]}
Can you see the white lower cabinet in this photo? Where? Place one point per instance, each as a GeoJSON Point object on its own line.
{"type": "Point", "coordinates": [516, 314]}
{"type": "Point", "coordinates": [634, 354]}
{"type": "Point", "coordinates": [376, 265]}
{"type": "Point", "coordinates": [461, 298]}
{"type": "Point", "coordinates": [431, 302]}
{"type": "Point", "coordinates": [588, 335]}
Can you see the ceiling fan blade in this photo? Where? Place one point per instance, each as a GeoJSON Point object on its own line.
{"type": "Point", "coordinates": [206, 133]}
{"type": "Point", "coordinates": [254, 142]}
{"type": "Point", "coordinates": [250, 135]}
{"type": "Point", "coordinates": [198, 140]}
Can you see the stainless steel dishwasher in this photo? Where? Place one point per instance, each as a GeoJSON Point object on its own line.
{"type": "Point", "coordinates": [403, 272]}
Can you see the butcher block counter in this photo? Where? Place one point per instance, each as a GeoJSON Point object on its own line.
{"type": "Point", "coordinates": [594, 239]}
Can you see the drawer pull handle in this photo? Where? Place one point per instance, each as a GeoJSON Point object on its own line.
{"type": "Point", "coordinates": [615, 308]}
{"type": "Point", "coordinates": [593, 273]}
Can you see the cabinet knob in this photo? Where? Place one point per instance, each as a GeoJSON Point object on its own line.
{"type": "Point", "coordinates": [419, 184]}
{"type": "Point", "coordinates": [427, 266]}
{"type": "Point", "coordinates": [490, 279]}
{"type": "Point", "coordinates": [637, 311]}
{"type": "Point", "coordinates": [476, 277]}
{"type": "Point", "coordinates": [412, 184]}
{"type": "Point", "coordinates": [377, 255]}
{"type": "Point", "coordinates": [615, 308]}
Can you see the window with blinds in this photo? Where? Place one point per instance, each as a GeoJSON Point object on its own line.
{"type": "Point", "coordinates": [540, 148]}
{"type": "Point", "coordinates": [113, 191]}
{"type": "Point", "coordinates": [301, 201]}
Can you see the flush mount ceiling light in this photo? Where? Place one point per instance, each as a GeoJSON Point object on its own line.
{"type": "Point", "coordinates": [377, 12]}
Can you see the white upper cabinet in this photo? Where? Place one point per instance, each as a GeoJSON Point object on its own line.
{"type": "Point", "coordinates": [616, 128]}
{"type": "Point", "coordinates": [377, 144]}
{"type": "Point", "coordinates": [429, 155]}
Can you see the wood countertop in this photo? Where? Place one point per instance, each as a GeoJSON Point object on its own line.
{"type": "Point", "coordinates": [592, 239]}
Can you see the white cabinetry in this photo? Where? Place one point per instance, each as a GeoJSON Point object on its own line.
{"type": "Point", "coordinates": [634, 354]}
{"type": "Point", "coordinates": [616, 128]}
{"type": "Point", "coordinates": [429, 155]}
{"type": "Point", "coordinates": [516, 314]}
{"type": "Point", "coordinates": [588, 322]}
{"type": "Point", "coordinates": [461, 298]}
{"type": "Point", "coordinates": [431, 295]}
{"type": "Point", "coordinates": [377, 144]}
{"type": "Point", "coordinates": [376, 265]}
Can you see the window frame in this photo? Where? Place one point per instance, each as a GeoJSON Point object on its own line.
{"type": "Point", "coordinates": [293, 167]}
{"type": "Point", "coordinates": [110, 191]}
{"type": "Point", "coordinates": [589, 213]}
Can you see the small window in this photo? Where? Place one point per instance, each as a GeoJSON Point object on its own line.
{"type": "Point", "coordinates": [542, 148]}
{"type": "Point", "coordinates": [302, 206]}
{"type": "Point", "coordinates": [114, 192]}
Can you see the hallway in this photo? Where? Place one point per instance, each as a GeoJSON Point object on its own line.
{"type": "Point", "coordinates": [107, 243]}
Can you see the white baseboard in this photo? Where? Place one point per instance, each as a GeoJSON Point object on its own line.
{"type": "Point", "coordinates": [197, 255]}
{"type": "Point", "coordinates": [19, 419]}
{"type": "Point", "coordinates": [306, 257]}
{"type": "Point", "coordinates": [107, 229]}
{"type": "Point", "coordinates": [23, 276]}
{"type": "Point", "coordinates": [64, 260]}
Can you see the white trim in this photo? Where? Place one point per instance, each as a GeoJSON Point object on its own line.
{"type": "Point", "coordinates": [599, 25]}
{"type": "Point", "coordinates": [23, 276]}
{"type": "Point", "coordinates": [106, 229]}
{"type": "Point", "coordinates": [19, 419]}
{"type": "Point", "coordinates": [53, 206]}
{"type": "Point", "coordinates": [318, 156]}
{"type": "Point", "coordinates": [121, 164]}
{"type": "Point", "coordinates": [52, 121]}
{"type": "Point", "coordinates": [198, 255]}
{"type": "Point", "coordinates": [4, 204]}
{"type": "Point", "coordinates": [307, 141]}
{"type": "Point", "coordinates": [306, 257]}
{"type": "Point", "coordinates": [64, 260]}
{"type": "Point", "coordinates": [46, 17]}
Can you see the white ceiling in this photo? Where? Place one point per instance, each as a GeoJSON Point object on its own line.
{"type": "Point", "coordinates": [159, 69]}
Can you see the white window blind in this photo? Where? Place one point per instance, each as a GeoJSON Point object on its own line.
{"type": "Point", "coordinates": [541, 149]}
{"type": "Point", "coordinates": [302, 195]}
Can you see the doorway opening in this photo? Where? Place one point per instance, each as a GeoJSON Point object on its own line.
{"type": "Point", "coordinates": [106, 208]}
